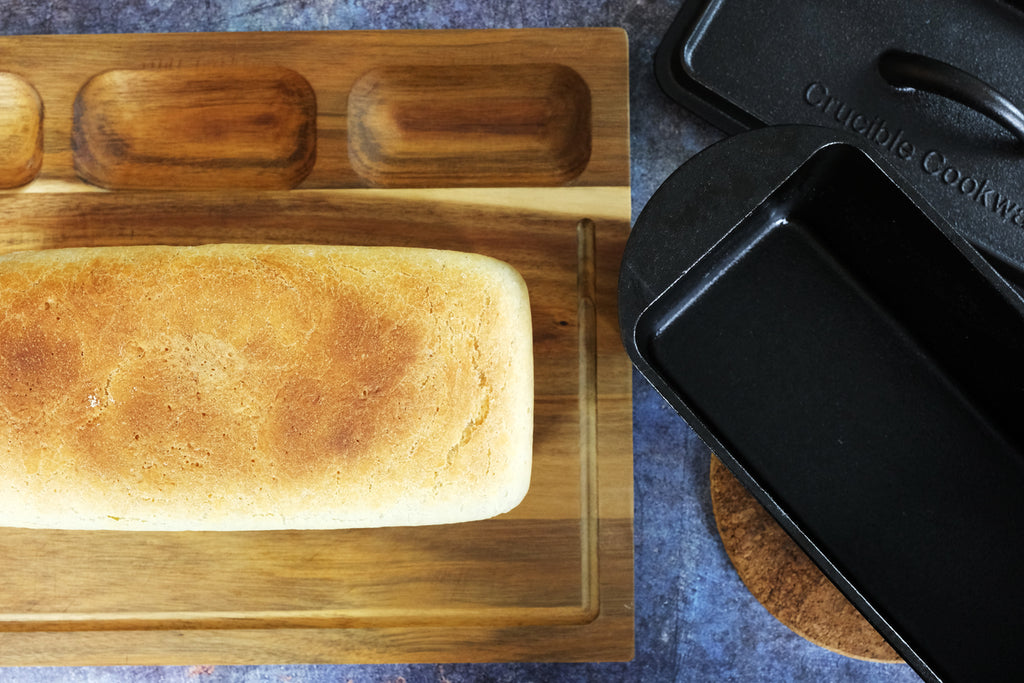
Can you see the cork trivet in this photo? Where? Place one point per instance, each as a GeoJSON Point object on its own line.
{"type": "Point", "coordinates": [784, 579]}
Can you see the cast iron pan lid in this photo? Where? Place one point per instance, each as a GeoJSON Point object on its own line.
{"type": "Point", "coordinates": [858, 365]}
{"type": "Point", "coordinates": [936, 87]}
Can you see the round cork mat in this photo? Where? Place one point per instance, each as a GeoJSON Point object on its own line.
{"type": "Point", "coordinates": [784, 579]}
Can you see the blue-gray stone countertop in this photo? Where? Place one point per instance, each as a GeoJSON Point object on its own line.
{"type": "Point", "coordinates": [695, 621]}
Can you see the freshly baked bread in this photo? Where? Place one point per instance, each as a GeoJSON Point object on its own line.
{"type": "Point", "coordinates": [235, 387]}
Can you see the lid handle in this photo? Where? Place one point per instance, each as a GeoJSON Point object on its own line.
{"type": "Point", "coordinates": [908, 70]}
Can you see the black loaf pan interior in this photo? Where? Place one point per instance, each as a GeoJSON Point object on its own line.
{"type": "Point", "coordinates": [862, 370]}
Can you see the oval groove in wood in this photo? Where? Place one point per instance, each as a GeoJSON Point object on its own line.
{"type": "Point", "coordinates": [195, 128]}
{"type": "Point", "coordinates": [470, 125]}
{"type": "Point", "coordinates": [784, 579]}
{"type": "Point", "coordinates": [21, 131]}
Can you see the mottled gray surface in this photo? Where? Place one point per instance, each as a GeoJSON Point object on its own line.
{"type": "Point", "coordinates": [695, 621]}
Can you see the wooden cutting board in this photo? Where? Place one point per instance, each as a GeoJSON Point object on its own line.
{"type": "Point", "coordinates": [508, 143]}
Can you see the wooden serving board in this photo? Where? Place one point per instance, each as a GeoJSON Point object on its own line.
{"type": "Point", "coordinates": [125, 156]}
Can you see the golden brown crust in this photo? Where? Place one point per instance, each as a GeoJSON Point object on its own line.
{"type": "Point", "coordinates": [252, 387]}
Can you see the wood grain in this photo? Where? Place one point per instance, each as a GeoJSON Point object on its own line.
{"type": "Point", "coordinates": [21, 131]}
{"type": "Point", "coordinates": [784, 579]}
{"type": "Point", "coordinates": [471, 125]}
{"type": "Point", "coordinates": [195, 128]}
{"type": "Point", "coordinates": [559, 147]}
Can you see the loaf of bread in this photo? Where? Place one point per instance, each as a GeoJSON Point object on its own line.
{"type": "Point", "coordinates": [245, 387]}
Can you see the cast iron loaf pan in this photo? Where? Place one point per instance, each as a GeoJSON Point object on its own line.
{"type": "Point", "coordinates": [860, 367]}
{"type": "Point", "coordinates": [935, 86]}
